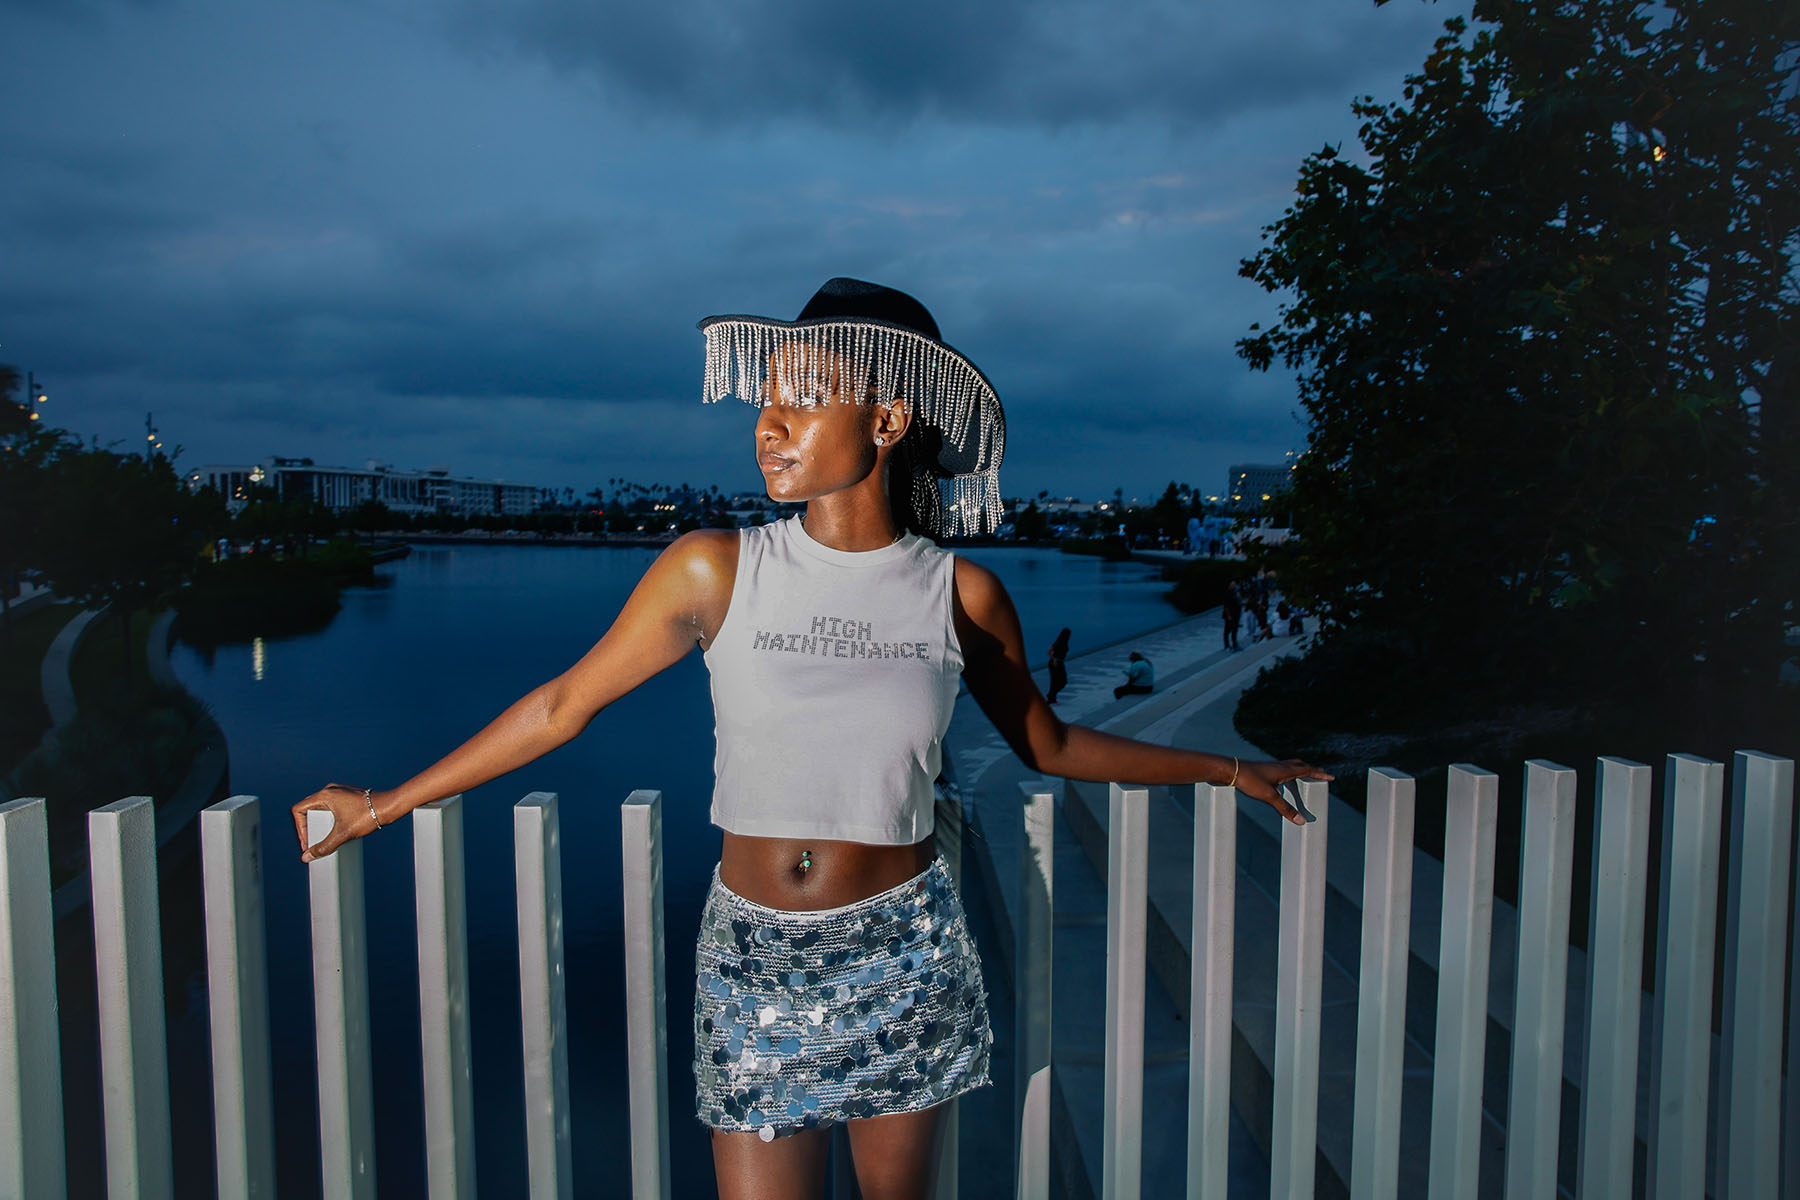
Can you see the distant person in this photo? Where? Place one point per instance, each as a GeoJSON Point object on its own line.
{"type": "Point", "coordinates": [1140, 678]}
{"type": "Point", "coordinates": [1059, 667]}
{"type": "Point", "coordinates": [837, 641]}
{"type": "Point", "coordinates": [1234, 614]}
{"type": "Point", "coordinates": [1291, 614]}
{"type": "Point", "coordinates": [1259, 607]}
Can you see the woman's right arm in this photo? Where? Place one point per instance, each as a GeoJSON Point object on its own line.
{"type": "Point", "coordinates": [679, 603]}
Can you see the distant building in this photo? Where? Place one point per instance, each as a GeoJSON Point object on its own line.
{"type": "Point", "coordinates": [1253, 483]}
{"type": "Point", "coordinates": [433, 490]}
{"type": "Point", "coordinates": [1063, 506]}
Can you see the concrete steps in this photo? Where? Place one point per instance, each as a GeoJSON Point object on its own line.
{"type": "Point", "coordinates": [1078, 1012]}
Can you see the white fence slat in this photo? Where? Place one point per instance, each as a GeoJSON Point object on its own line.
{"type": "Point", "coordinates": [1762, 819]}
{"type": "Point", "coordinates": [537, 862]}
{"type": "Point", "coordinates": [1381, 993]}
{"type": "Point", "coordinates": [1298, 977]}
{"type": "Point", "coordinates": [1790, 1137]}
{"type": "Point", "coordinates": [134, 1055]}
{"type": "Point", "coordinates": [1687, 907]}
{"type": "Point", "coordinates": [1209, 989]}
{"type": "Point", "coordinates": [237, 985]}
{"type": "Point", "coordinates": [1034, 1170]}
{"type": "Point", "coordinates": [1614, 980]}
{"type": "Point", "coordinates": [31, 1111]}
{"type": "Point", "coordinates": [1127, 899]}
{"type": "Point", "coordinates": [1031, 993]}
{"type": "Point", "coordinates": [341, 1017]}
{"type": "Point", "coordinates": [646, 995]}
{"type": "Point", "coordinates": [443, 928]}
{"type": "Point", "coordinates": [1546, 866]}
{"type": "Point", "coordinates": [1472, 797]}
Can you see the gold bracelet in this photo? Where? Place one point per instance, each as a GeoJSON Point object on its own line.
{"type": "Point", "coordinates": [369, 799]}
{"type": "Point", "coordinates": [1235, 767]}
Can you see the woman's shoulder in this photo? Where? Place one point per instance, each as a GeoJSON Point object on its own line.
{"type": "Point", "coordinates": [971, 576]}
{"type": "Point", "coordinates": [979, 592]}
{"type": "Point", "coordinates": [704, 556]}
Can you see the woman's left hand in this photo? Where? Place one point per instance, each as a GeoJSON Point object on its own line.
{"type": "Point", "coordinates": [1263, 780]}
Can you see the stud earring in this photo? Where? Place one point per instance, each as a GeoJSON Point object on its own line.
{"type": "Point", "coordinates": [881, 441]}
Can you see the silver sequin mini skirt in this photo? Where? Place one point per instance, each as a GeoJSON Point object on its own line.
{"type": "Point", "coordinates": [803, 1019]}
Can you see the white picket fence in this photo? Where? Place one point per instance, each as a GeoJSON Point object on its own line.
{"type": "Point", "coordinates": [1745, 1116]}
{"type": "Point", "coordinates": [1747, 1111]}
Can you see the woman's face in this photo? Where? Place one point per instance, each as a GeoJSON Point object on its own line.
{"type": "Point", "coordinates": [812, 437]}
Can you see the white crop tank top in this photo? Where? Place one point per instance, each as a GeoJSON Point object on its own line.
{"type": "Point", "coordinates": [833, 679]}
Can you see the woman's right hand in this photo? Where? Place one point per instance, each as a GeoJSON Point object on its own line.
{"type": "Point", "coordinates": [351, 817]}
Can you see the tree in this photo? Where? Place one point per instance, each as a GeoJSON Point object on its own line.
{"type": "Point", "coordinates": [291, 523]}
{"type": "Point", "coordinates": [1532, 332]}
{"type": "Point", "coordinates": [1170, 514]}
{"type": "Point", "coordinates": [14, 416]}
{"type": "Point", "coordinates": [122, 530]}
{"type": "Point", "coordinates": [1030, 523]}
{"type": "Point", "coordinates": [371, 516]}
{"type": "Point", "coordinates": [26, 459]}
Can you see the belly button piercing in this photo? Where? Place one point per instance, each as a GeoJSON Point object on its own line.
{"type": "Point", "coordinates": [805, 861]}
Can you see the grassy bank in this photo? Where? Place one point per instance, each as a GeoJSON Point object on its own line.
{"type": "Point", "coordinates": [130, 738]}
{"type": "Point", "coordinates": [21, 669]}
{"type": "Point", "coordinates": [267, 596]}
{"type": "Point", "coordinates": [1112, 548]}
{"type": "Point", "coordinates": [1200, 585]}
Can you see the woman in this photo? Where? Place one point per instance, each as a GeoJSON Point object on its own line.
{"type": "Point", "coordinates": [837, 981]}
{"type": "Point", "coordinates": [1059, 665]}
{"type": "Point", "coordinates": [1140, 677]}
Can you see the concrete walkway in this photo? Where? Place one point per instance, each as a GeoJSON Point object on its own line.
{"type": "Point", "coordinates": [53, 676]}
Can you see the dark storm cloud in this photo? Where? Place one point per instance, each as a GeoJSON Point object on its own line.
{"type": "Point", "coordinates": [1002, 61]}
{"type": "Point", "coordinates": [353, 230]}
{"type": "Point", "coordinates": [74, 11]}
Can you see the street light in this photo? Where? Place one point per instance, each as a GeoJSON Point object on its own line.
{"type": "Point", "coordinates": [34, 396]}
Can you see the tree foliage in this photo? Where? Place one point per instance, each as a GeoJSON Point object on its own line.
{"type": "Point", "coordinates": [25, 460]}
{"type": "Point", "coordinates": [14, 416]}
{"type": "Point", "coordinates": [120, 529]}
{"type": "Point", "coordinates": [1538, 326]}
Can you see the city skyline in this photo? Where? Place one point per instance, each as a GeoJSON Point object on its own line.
{"type": "Point", "coordinates": [233, 479]}
{"type": "Point", "coordinates": [470, 234]}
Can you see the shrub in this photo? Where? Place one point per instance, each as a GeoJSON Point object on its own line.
{"type": "Point", "coordinates": [1200, 585]}
{"type": "Point", "coordinates": [259, 596]}
{"type": "Point", "coordinates": [1102, 547]}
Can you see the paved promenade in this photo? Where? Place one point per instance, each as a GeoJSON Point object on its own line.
{"type": "Point", "coordinates": [1184, 653]}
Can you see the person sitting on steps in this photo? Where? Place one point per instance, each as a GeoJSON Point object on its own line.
{"type": "Point", "coordinates": [1139, 678]}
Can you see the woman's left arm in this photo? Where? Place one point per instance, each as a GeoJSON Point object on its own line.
{"type": "Point", "coordinates": [994, 668]}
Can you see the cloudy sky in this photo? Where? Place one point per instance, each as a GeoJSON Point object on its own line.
{"type": "Point", "coordinates": [478, 233]}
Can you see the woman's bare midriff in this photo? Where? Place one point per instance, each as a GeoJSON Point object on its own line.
{"type": "Point", "coordinates": [766, 870]}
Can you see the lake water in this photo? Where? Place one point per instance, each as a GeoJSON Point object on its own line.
{"type": "Point", "coordinates": [403, 674]}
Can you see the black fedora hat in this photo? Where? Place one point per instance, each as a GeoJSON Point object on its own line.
{"type": "Point", "coordinates": [894, 347]}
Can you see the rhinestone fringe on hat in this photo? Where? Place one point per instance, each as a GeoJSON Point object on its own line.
{"type": "Point", "coordinates": [945, 390]}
